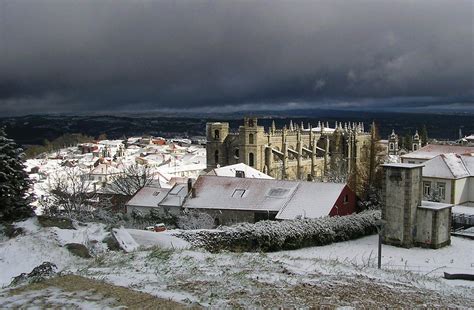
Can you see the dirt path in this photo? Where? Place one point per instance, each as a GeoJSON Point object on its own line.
{"type": "Point", "coordinates": [76, 292]}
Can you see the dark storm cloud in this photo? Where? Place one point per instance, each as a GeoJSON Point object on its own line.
{"type": "Point", "coordinates": [64, 55]}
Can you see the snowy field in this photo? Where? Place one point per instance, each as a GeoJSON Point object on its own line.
{"type": "Point", "coordinates": [342, 274]}
{"type": "Point", "coordinates": [457, 258]}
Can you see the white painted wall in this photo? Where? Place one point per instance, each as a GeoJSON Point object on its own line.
{"type": "Point", "coordinates": [434, 186]}
{"type": "Point", "coordinates": [471, 189]}
{"type": "Point", "coordinates": [461, 190]}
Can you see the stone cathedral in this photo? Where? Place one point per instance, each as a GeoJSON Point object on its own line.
{"type": "Point", "coordinates": [293, 152]}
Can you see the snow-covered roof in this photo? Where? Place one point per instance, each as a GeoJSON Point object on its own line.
{"type": "Point", "coordinates": [290, 198]}
{"type": "Point", "coordinates": [463, 209]}
{"type": "Point", "coordinates": [105, 169]}
{"type": "Point", "coordinates": [148, 196]}
{"type": "Point", "coordinates": [230, 171]}
{"type": "Point", "coordinates": [213, 192]}
{"type": "Point", "coordinates": [432, 150]}
{"type": "Point", "coordinates": [318, 129]}
{"type": "Point", "coordinates": [434, 205]}
{"type": "Point", "coordinates": [449, 166]}
{"type": "Point", "coordinates": [403, 165]}
{"type": "Point", "coordinates": [175, 196]}
{"type": "Point", "coordinates": [311, 200]}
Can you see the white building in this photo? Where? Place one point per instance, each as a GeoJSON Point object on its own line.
{"type": "Point", "coordinates": [449, 178]}
{"type": "Point", "coordinates": [432, 150]}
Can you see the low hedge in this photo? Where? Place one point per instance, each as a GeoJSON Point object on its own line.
{"type": "Point", "coordinates": [268, 236]}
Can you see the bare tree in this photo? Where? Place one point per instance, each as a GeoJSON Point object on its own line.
{"type": "Point", "coordinates": [132, 179]}
{"type": "Point", "coordinates": [70, 191]}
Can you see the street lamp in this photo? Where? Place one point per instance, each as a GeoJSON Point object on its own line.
{"type": "Point", "coordinates": [379, 224]}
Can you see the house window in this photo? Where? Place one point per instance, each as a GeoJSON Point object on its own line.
{"type": "Point", "coordinates": [346, 198]}
{"type": "Point", "coordinates": [251, 140]}
{"type": "Point", "coordinates": [426, 188]}
{"type": "Point", "coordinates": [156, 193]}
{"type": "Point", "coordinates": [251, 160]}
{"type": "Point", "coordinates": [216, 134]}
{"type": "Point", "coordinates": [278, 192]}
{"type": "Point", "coordinates": [238, 193]}
{"type": "Point", "coordinates": [441, 190]}
{"type": "Point", "coordinates": [239, 174]}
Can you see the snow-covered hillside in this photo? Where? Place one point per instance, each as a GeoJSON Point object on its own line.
{"type": "Point", "coordinates": [341, 274]}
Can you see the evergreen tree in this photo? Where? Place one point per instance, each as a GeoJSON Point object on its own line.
{"type": "Point", "coordinates": [408, 142]}
{"type": "Point", "coordinates": [424, 135]}
{"type": "Point", "coordinates": [14, 182]}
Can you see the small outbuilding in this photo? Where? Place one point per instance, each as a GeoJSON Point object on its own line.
{"type": "Point", "coordinates": [433, 228]}
{"type": "Point", "coordinates": [409, 221]}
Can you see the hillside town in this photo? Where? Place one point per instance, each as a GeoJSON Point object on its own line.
{"type": "Point", "coordinates": [179, 196]}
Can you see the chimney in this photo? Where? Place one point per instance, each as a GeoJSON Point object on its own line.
{"type": "Point", "coordinates": [190, 185]}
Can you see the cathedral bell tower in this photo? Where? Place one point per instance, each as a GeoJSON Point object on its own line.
{"type": "Point", "coordinates": [393, 143]}
{"type": "Point", "coordinates": [416, 145]}
{"type": "Point", "coordinates": [251, 144]}
{"type": "Point", "coordinates": [216, 152]}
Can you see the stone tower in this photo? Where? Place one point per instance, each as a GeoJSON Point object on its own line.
{"type": "Point", "coordinates": [251, 143]}
{"type": "Point", "coordinates": [402, 194]}
{"type": "Point", "coordinates": [416, 145]}
{"type": "Point", "coordinates": [393, 143]}
{"type": "Point", "coordinates": [216, 134]}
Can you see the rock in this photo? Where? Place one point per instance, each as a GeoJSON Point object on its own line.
{"type": "Point", "coordinates": [51, 221]}
{"type": "Point", "coordinates": [10, 230]}
{"type": "Point", "coordinates": [112, 243]}
{"type": "Point", "coordinates": [78, 250]}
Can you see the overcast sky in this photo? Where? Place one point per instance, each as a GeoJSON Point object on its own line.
{"type": "Point", "coordinates": [139, 55]}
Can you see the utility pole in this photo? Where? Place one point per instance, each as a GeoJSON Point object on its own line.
{"type": "Point", "coordinates": [380, 226]}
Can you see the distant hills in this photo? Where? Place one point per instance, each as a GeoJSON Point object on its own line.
{"type": "Point", "coordinates": [34, 129]}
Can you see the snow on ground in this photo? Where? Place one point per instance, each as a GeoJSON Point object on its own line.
{"type": "Point", "coordinates": [149, 239]}
{"type": "Point", "coordinates": [268, 280]}
{"type": "Point", "coordinates": [456, 258]}
{"type": "Point", "coordinates": [341, 274]}
{"type": "Point", "coordinates": [125, 240]}
{"type": "Point", "coordinates": [37, 245]}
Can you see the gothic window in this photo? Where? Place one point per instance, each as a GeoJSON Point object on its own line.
{"type": "Point", "coordinates": [251, 138]}
{"type": "Point", "coordinates": [391, 147]}
{"type": "Point", "coordinates": [251, 160]}
{"type": "Point", "coordinates": [216, 134]}
{"type": "Point", "coordinates": [216, 156]}
{"type": "Point", "coordinates": [236, 154]}
{"type": "Point", "coordinates": [415, 147]}
{"type": "Point", "coordinates": [251, 123]}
